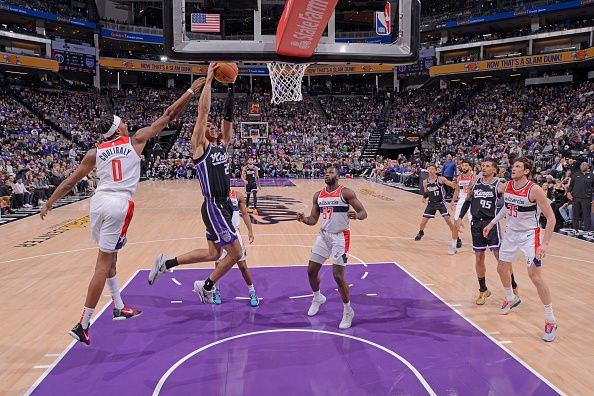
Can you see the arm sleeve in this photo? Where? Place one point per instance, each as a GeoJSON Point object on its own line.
{"type": "Point", "coordinates": [465, 208]}
{"type": "Point", "coordinates": [229, 104]}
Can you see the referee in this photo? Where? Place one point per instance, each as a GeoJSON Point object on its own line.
{"type": "Point", "coordinates": [580, 193]}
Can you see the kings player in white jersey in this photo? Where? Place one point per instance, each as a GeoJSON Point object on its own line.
{"type": "Point", "coordinates": [118, 167]}
{"type": "Point", "coordinates": [524, 201]}
{"type": "Point", "coordinates": [240, 209]}
{"type": "Point", "coordinates": [463, 181]}
{"type": "Point", "coordinates": [332, 203]}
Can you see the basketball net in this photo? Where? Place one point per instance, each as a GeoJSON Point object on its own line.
{"type": "Point", "coordinates": [286, 81]}
{"type": "Point", "coordinates": [255, 138]}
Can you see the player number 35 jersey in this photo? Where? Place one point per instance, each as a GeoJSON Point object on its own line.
{"type": "Point", "coordinates": [522, 214]}
{"type": "Point", "coordinates": [118, 167]}
{"type": "Point", "coordinates": [333, 211]}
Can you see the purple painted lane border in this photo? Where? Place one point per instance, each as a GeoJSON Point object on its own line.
{"type": "Point", "coordinates": [266, 182]}
{"type": "Point", "coordinates": [130, 357]}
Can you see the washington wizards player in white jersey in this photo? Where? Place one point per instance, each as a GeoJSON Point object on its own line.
{"type": "Point", "coordinates": [333, 241]}
{"type": "Point", "coordinates": [524, 201]}
{"type": "Point", "coordinates": [118, 167]}
{"type": "Point", "coordinates": [210, 157]}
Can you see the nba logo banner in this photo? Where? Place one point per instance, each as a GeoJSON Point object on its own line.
{"type": "Point", "coordinates": [382, 21]}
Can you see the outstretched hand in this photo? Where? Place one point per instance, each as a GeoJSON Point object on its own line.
{"type": "Point", "coordinates": [211, 70]}
{"type": "Point", "coordinates": [198, 84]}
{"type": "Point", "coordinates": [45, 210]}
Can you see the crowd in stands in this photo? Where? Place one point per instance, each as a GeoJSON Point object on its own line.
{"type": "Point", "coordinates": [60, 7]}
{"type": "Point", "coordinates": [300, 142]}
{"type": "Point", "coordinates": [421, 111]}
{"type": "Point", "coordinates": [504, 121]}
{"type": "Point", "coordinates": [435, 11]}
{"type": "Point", "coordinates": [517, 32]}
{"type": "Point", "coordinates": [34, 158]}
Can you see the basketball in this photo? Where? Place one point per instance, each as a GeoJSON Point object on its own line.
{"type": "Point", "coordinates": [226, 73]}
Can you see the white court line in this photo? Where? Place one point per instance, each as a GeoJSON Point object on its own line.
{"type": "Point", "coordinates": [73, 342]}
{"type": "Point", "coordinates": [304, 296]}
{"type": "Point", "coordinates": [247, 298]}
{"type": "Point", "coordinates": [455, 305]}
{"type": "Point", "coordinates": [52, 354]}
{"type": "Point", "coordinates": [276, 234]}
{"type": "Point", "coordinates": [365, 275]}
{"type": "Point", "coordinates": [357, 258]}
{"type": "Point", "coordinates": [176, 302]}
{"type": "Point", "coordinates": [505, 342]}
{"type": "Point", "coordinates": [176, 281]}
{"type": "Point", "coordinates": [412, 368]}
{"type": "Point", "coordinates": [350, 285]}
{"type": "Point", "coordinates": [428, 284]}
{"type": "Point", "coordinates": [42, 366]}
{"type": "Point", "coordinates": [371, 294]}
{"type": "Point", "coordinates": [523, 363]}
{"type": "Point", "coordinates": [493, 333]}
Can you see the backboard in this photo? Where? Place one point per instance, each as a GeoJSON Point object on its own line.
{"type": "Point", "coordinates": [246, 30]}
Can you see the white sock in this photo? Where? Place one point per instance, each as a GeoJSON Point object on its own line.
{"type": "Point", "coordinates": [509, 294]}
{"type": "Point", "coordinates": [454, 243]}
{"type": "Point", "coordinates": [549, 316]}
{"type": "Point", "coordinates": [114, 290]}
{"type": "Point", "coordinates": [317, 294]}
{"type": "Point", "coordinates": [251, 288]}
{"type": "Point", "coordinates": [86, 317]}
{"type": "Point", "coordinates": [347, 306]}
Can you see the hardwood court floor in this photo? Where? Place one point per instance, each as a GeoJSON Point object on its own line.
{"type": "Point", "coordinates": [45, 267]}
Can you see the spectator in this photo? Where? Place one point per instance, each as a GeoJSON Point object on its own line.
{"type": "Point", "coordinates": [580, 193]}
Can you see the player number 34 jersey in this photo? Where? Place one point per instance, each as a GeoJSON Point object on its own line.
{"type": "Point", "coordinates": [333, 211]}
{"type": "Point", "coordinates": [118, 167]}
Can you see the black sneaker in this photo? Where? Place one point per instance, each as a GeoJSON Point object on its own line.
{"type": "Point", "coordinates": [459, 243]}
{"type": "Point", "coordinates": [125, 313]}
{"type": "Point", "coordinates": [419, 236]}
{"type": "Point", "coordinates": [80, 334]}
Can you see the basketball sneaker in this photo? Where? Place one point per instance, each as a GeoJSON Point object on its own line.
{"type": "Point", "coordinates": [217, 297]}
{"type": "Point", "coordinates": [254, 301]}
{"type": "Point", "coordinates": [452, 250]}
{"type": "Point", "coordinates": [158, 269]}
{"type": "Point", "coordinates": [80, 334]}
{"type": "Point", "coordinates": [550, 331]}
{"type": "Point", "coordinates": [347, 319]}
{"type": "Point", "coordinates": [206, 296]}
{"type": "Point", "coordinates": [459, 243]}
{"type": "Point", "coordinates": [315, 305]}
{"type": "Point", "coordinates": [508, 305]}
{"type": "Point", "coordinates": [255, 212]}
{"type": "Point", "coordinates": [419, 236]}
{"type": "Point", "coordinates": [482, 298]}
{"type": "Point", "coordinates": [125, 313]}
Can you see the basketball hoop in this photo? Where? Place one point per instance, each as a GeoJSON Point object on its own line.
{"type": "Point", "coordinates": [286, 81]}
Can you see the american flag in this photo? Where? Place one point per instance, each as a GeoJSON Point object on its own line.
{"type": "Point", "coordinates": [206, 22]}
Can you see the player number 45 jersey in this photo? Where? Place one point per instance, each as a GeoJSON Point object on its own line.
{"type": "Point", "coordinates": [333, 211]}
{"type": "Point", "coordinates": [118, 167]}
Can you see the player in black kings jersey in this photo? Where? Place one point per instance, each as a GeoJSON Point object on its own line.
{"type": "Point", "coordinates": [210, 157]}
{"type": "Point", "coordinates": [434, 191]}
{"type": "Point", "coordinates": [251, 178]}
{"type": "Point", "coordinates": [482, 201]}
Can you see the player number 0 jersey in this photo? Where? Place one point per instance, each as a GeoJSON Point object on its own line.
{"type": "Point", "coordinates": [333, 211]}
{"type": "Point", "coordinates": [118, 167]}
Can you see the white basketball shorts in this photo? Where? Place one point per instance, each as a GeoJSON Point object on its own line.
{"type": "Point", "coordinates": [110, 217]}
{"type": "Point", "coordinates": [331, 245]}
{"type": "Point", "coordinates": [526, 242]}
